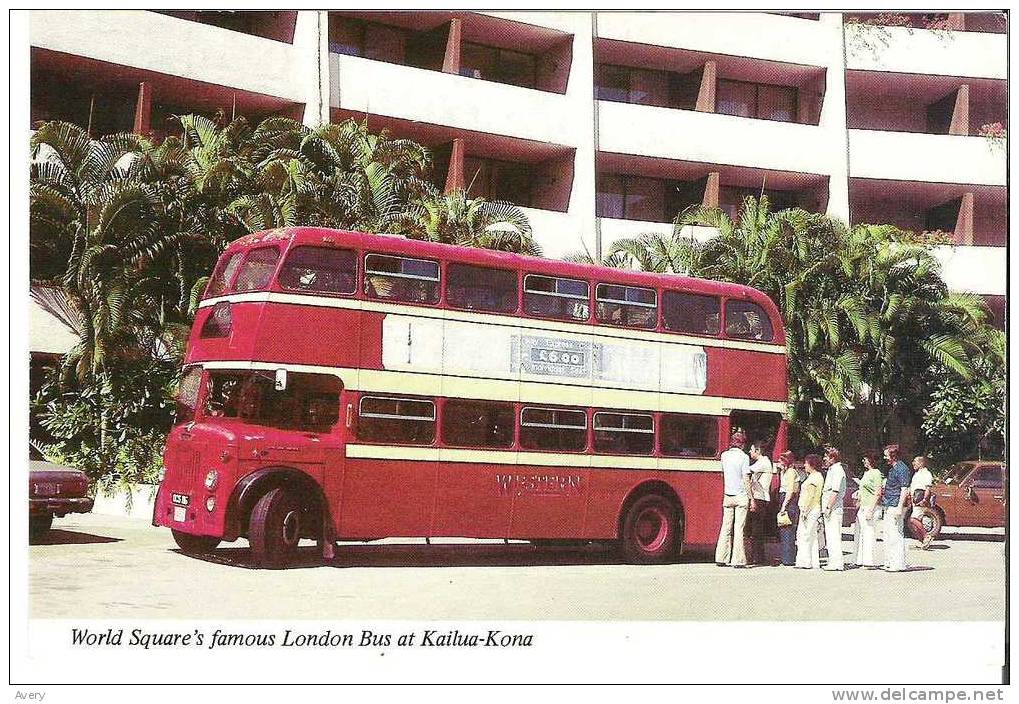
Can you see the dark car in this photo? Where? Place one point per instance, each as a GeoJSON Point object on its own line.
{"type": "Point", "coordinates": [53, 490]}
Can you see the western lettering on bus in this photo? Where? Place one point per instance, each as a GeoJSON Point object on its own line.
{"type": "Point", "coordinates": [346, 386]}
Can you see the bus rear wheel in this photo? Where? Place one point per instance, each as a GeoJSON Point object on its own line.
{"type": "Point", "coordinates": [275, 529]}
{"type": "Point", "coordinates": [194, 544]}
{"type": "Point", "coordinates": [650, 530]}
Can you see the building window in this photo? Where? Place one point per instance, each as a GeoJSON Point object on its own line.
{"type": "Point", "coordinates": [479, 288]}
{"type": "Point", "coordinates": [401, 278]}
{"type": "Point", "coordinates": [477, 424]}
{"type": "Point", "coordinates": [257, 269]}
{"type": "Point", "coordinates": [746, 320]}
{"type": "Point", "coordinates": [633, 198]}
{"type": "Point", "coordinates": [494, 180]}
{"type": "Point", "coordinates": [624, 433]}
{"type": "Point", "coordinates": [500, 65]}
{"type": "Point", "coordinates": [629, 306]}
{"type": "Point", "coordinates": [626, 84]}
{"type": "Point", "coordinates": [400, 421]}
{"type": "Point", "coordinates": [553, 429]}
{"type": "Point", "coordinates": [691, 313]}
{"type": "Point", "coordinates": [685, 435]}
{"type": "Point", "coordinates": [552, 297]}
{"type": "Point", "coordinates": [756, 100]}
{"type": "Point", "coordinates": [320, 269]}
{"type": "Point", "coordinates": [370, 40]}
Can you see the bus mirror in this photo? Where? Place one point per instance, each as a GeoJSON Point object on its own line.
{"type": "Point", "coordinates": [281, 379]}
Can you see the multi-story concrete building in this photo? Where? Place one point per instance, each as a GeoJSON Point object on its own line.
{"type": "Point", "coordinates": [601, 125]}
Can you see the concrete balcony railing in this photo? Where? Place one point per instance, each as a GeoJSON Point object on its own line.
{"type": "Point", "coordinates": [940, 158]}
{"type": "Point", "coordinates": [716, 139]}
{"type": "Point", "coordinates": [559, 234]}
{"type": "Point", "coordinates": [980, 270]}
{"type": "Point", "coordinates": [923, 51]}
{"type": "Point", "coordinates": [153, 42]}
{"type": "Point", "coordinates": [410, 93]}
{"type": "Point", "coordinates": [748, 34]}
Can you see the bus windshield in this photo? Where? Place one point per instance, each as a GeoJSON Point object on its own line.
{"type": "Point", "coordinates": [310, 402]}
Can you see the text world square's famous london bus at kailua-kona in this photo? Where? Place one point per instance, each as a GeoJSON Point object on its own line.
{"type": "Point", "coordinates": [347, 386]}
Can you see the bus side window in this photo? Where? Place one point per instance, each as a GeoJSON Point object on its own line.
{"type": "Point", "coordinates": [222, 276]}
{"type": "Point", "coordinates": [691, 313]}
{"type": "Point", "coordinates": [477, 424]}
{"type": "Point", "coordinates": [628, 306]}
{"type": "Point", "coordinates": [401, 278]}
{"type": "Point", "coordinates": [746, 320]}
{"type": "Point", "coordinates": [624, 433]}
{"type": "Point", "coordinates": [388, 419]}
{"type": "Point", "coordinates": [685, 435]}
{"type": "Point", "coordinates": [479, 288]}
{"type": "Point", "coordinates": [553, 429]}
{"type": "Point", "coordinates": [552, 297]}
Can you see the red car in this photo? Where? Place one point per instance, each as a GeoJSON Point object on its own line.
{"type": "Point", "coordinates": [972, 493]}
{"type": "Point", "coordinates": [53, 491]}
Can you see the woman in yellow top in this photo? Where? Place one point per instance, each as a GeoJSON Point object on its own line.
{"type": "Point", "coordinates": [869, 514]}
{"type": "Point", "coordinates": [788, 489]}
{"type": "Point", "coordinates": [807, 555]}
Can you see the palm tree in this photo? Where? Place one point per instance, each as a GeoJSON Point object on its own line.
{"type": "Point", "coordinates": [456, 218]}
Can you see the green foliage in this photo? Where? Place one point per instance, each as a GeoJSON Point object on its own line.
{"type": "Point", "coordinates": [966, 420]}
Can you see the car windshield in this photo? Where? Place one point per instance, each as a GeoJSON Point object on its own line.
{"type": "Point", "coordinates": [957, 472]}
{"type": "Point", "coordinates": [310, 402]}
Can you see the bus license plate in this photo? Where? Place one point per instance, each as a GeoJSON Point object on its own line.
{"type": "Point", "coordinates": [180, 499]}
{"type": "Point", "coordinates": [180, 514]}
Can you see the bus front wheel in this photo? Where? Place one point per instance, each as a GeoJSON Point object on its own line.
{"type": "Point", "coordinates": [194, 544]}
{"type": "Point", "coordinates": [650, 531]}
{"type": "Point", "coordinates": [275, 529]}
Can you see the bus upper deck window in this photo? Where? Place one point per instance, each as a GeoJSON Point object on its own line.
{"type": "Point", "coordinates": [320, 269]}
{"type": "Point", "coordinates": [747, 321]}
{"type": "Point", "coordinates": [629, 306]}
{"type": "Point", "coordinates": [257, 270]}
{"type": "Point", "coordinates": [691, 313]}
{"type": "Point", "coordinates": [401, 278]}
{"type": "Point", "coordinates": [553, 297]}
{"type": "Point", "coordinates": [479, 288]}
{"type": "Point", "coordinates": [222, 275]}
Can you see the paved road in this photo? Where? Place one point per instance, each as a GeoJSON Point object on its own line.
{"type": "Point", "coordinates": [94, 566]}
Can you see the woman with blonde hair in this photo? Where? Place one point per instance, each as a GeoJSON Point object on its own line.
{"type": "Point", "coordinates": [807, 554]}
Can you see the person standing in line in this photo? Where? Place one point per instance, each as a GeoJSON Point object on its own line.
{"type": "Point", "coordinates": [807, 555]}
{"type": "Point", "coordinates": [789, 487]}
{"type": "Point", "coordinates": [832, 503]}
{"type": "Point", "coordinates": [736, 485]}
{"type": "Point", "coordinates": [920, 494]}
{"type": "Point", "coordinates": [868, 515]}
{"type": "Point", "coordinates": [761, 472]}
{"type": "Point", "coordinates": [893, 501]}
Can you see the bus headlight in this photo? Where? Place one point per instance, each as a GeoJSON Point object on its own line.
{"type": "Point", "coordinates": [211, 480]}
{"type": "Point", "coordinates": [210, 504]}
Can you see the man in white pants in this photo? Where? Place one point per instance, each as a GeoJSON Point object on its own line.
{"type": "Point", "coordinates": [832, 502]}
{"type": "Point", "coordinates": [894, 496]}
{"type": "Point", "coordinates": [737, 500]}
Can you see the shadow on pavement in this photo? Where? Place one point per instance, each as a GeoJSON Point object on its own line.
{"type": "Point", "coordinates": [59, 536]}
{"type": "Point", "coordinates": [971, 537]}
{"type": "Point", "coordinates": [348, 556]}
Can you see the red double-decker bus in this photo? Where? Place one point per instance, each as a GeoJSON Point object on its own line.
{"type": "Point", "coordinates": [348, 386]}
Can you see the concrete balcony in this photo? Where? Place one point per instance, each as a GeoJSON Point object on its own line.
{"type": "Point", "coordinates": [715, 139]}
{"type": "Point", "coordinates": [423, 95]}
{"type": "Point", "coordinates": [924, 51]}
{"type": "Point", "coordinates": [153, 42]}
{"type": "Point", "coordinates": [559, 234]}
{"type": "Point", "coordinates": [749, 34]}
{"type": "Point", "coordinates": [936, 158]}
{"type": "Point", "coordinates": [980, 270]}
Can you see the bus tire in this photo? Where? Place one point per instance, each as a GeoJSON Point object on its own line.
{"type": "Point", "coordinates": [650, 530]}
{"type": "Point", "coordinates": [194, 544]}
{"type": "Point", "coordinates": [275, 529]}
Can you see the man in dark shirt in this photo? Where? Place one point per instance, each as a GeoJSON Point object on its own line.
{"type": "Point", "coordinates": [893, 499]}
